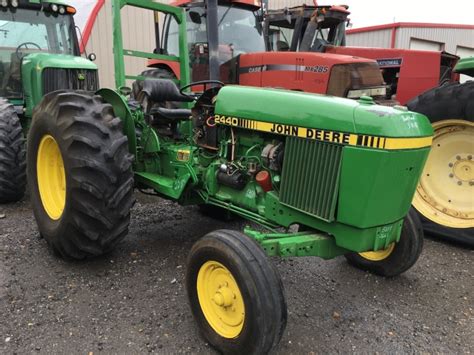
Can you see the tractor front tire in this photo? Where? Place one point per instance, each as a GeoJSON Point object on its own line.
{"type": "Point", "coordinates": [80, 174]}
{"type": "Point", "coordinates": [12, 155]}
{"type": "Point", "coordinates": [398, 257]}
{"type": "Point", "coordinates": [236, 294]}
{"type": "Point", "coordinates": [444, 194]}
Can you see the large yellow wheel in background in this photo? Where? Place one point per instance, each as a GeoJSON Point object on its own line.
{"type": "Point", "coordinates": [445, 194]}
{"type": "Point", "coordinates": [235, 293]}
{"type": "Point", "coordinates": [51, 177]}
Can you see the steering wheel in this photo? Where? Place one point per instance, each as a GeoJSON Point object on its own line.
{"type": "Point", "coordinates": [25, 44]}
{"type": "Point", "coordinates": [194, 96]}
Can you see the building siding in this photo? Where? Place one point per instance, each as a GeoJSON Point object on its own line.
{"type": "Point", "coordinates": [138, 34]}
{"type": "Point", "coordinates": [277, 4]}
{"type": "Point", "coordinates": [380, 38]}
{"type": "Point", "coordinates": [449, 38]}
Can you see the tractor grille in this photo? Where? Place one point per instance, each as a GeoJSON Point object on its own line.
{"type": "Point", "coordinates": [69, 79]}
{"type": "Point", "coordinates": [310, 176]}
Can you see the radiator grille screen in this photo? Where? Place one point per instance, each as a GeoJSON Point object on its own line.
{"type": "Point", "coordinates": [310, 176]}
{"type": "Point", "coordinates": [69, 79]}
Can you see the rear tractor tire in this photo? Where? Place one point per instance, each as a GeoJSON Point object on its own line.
{"type": "Point", "coordinates": [398, 257]}
{"type": "Point", "coordinates": [79, 174]}
{"type": "Point", "coordinates": [236, 294]}
{"type": "Point", "coordinates": [153, 73]}
{"type": "Point", "coordinates": [444, 194]}
{"type": "Point", "coordinates": [12, 155]}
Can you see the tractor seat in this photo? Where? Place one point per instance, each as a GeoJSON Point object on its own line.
{"type": "Point", "coordinates": [12, 77]}
{"type": "Point", "coordinates": [161, 90]}
{"type": "Point", "coordinates": [282, 46]}
{"type": "Point", "coordinates": [163, 115]}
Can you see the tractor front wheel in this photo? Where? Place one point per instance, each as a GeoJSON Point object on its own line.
{"type": "Point", "coordinates": [398, 257]}
{"type": "Point", "coordinates": [12, 155]}
{"type": "Point", "coordinates": [236, 294]}
{"type": "Point", "coordinates": [79, 173]}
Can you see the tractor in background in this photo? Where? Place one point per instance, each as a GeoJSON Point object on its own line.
{"type": "Point", "coordinates": [343, 171]}
{"type": "Point", "coordinates": [425, 81]}
{"type": "Point", "coordinates": [39, 53]}
{"type": "Point", "coordinates": [322, 29]}
{"type": "Point", "coordinates": [243, 57]}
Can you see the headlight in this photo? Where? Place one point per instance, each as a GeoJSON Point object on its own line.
{"type": "Point", "coordinates": [377, 91]}
{"type": "Point", "coordinates": [14, 3]}
{"type": "Point", "coordinates": [54, 7]}
{"type": "Point", "coordinates": [62, 10]}
{"type": "Point", "coordinates": [4, 3]}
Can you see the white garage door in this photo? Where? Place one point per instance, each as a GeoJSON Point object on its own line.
{"type": "Point", "coordinates": [425, 45]}
{"type": "Point", "coordinates": [464, 52]}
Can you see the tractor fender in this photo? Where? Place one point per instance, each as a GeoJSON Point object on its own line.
{"type": "Point", "coordinates": [172, 67]}
{"type": "Point", "coordinates": [122, 111]}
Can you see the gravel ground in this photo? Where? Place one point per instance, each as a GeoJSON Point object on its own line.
{"type": "Point", "coordinates": [134, 300]}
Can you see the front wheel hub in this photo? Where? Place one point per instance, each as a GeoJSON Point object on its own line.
{"type": "Point", "coordinates": [463, 170]}
{"type": "Point", "coordinates": [220, 299]}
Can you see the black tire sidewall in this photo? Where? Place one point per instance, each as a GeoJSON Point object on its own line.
{"type": "Point", "coordinates": [15, 177]}
{"type": "Point", "coordinates": [407, 250]}
{"type": "Point", "coordinates": [234, 263]}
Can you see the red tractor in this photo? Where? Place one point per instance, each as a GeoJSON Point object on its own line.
{"type": "Point", "coordinates": [321, 29]}
{"type": "Point", "coordinates": [245, 60]}
{"type": "Point", "coordinates": [303, 49]}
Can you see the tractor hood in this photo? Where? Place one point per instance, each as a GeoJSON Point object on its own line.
{"type": "Point", "coordinates": [317, 116]}
{"type": "Point", "coordinates": [79, 73]}
{"type": "Point", "coordinates": [465, 66]}
{"type": "Point", "coordinates": [309, 72]}
{"type": "Point", "coordinates": [47, 60]}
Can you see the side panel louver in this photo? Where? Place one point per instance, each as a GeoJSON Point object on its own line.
{"type": "Point", "coordinates": [310, 177]}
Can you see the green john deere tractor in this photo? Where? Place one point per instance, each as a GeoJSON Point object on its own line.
{"type": "Point", "coordinates": [344, 171]}
{"type": "Point", "coordinates": [39, 53]}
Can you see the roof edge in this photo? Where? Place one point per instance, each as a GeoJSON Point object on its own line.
{"type": "Point", "coordinates": [396, 25]}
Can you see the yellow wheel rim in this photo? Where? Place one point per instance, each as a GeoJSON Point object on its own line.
{"type": "Point", "coordinates": [445, 193]}
{"type": "Point", "coordinates": [379, 254]}
{"type": "Point", "coordinates": [220, 299]}
{"type": "Point", "coordinates": [51, 177]}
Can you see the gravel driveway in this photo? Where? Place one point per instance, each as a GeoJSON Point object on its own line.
{"type": "Point", "coordinates": [134, 300]}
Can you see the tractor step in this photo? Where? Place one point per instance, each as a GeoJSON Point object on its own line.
{"type": "Point", "coordinates": [169, 187]}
